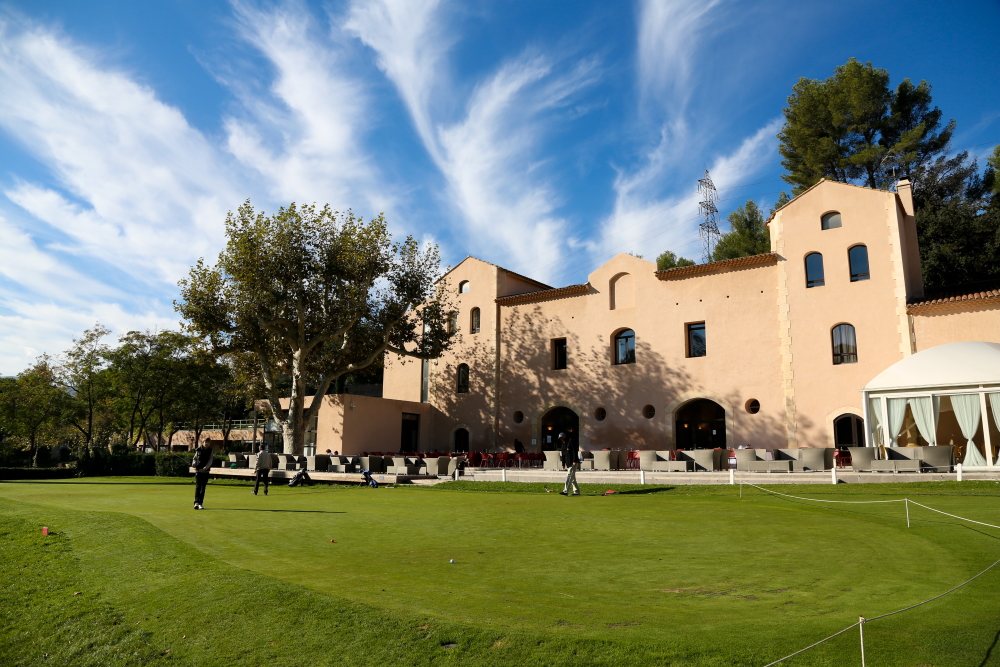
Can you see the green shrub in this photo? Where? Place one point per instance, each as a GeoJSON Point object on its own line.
{"type": "Point", "coordinates": [99, 462]}
{"type": "Point", "coordinates": [173, 464]}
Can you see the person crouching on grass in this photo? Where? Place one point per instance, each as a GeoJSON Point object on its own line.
{"type": "Point", "coordinates": [202, 463]}
{"type": "Point", "coordinates": [571, 459]}
{"type": "Point", "coordinates": [262, 471]}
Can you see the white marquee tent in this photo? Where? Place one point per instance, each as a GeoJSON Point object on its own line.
{"type": "Point", "coordinates": [965, 374]}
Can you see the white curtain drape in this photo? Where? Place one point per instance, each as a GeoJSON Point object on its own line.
{"type": "Point", "coordinates": [967, 412]}
{"type": "Point", "coordinates": [897, 411]}
{"type": "Point", "coordinates": [995, 407]}
{"type": "Point", "coordinates": [876, 417]}
{"type": "Point", "coordinates": [925, 416]}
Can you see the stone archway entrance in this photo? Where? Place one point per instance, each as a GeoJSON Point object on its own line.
{"type": "Point", "coordinates": [462, 440]}
{"type": "Point", "coordinates": [700, 424]}
{"type": "Point", "coordinates": [849, 431]}
{"type": "Point", "coordinates": [556, 421]}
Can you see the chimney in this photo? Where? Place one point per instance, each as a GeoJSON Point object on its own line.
{"type": "Point", "coordinates": [905, 193]}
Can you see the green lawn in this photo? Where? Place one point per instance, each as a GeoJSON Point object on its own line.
{"type": "Point", "coordinates": [651, 575]}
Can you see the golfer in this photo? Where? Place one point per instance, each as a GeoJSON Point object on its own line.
{"type": "Point", "coordinates": [570, 459]}
{"type": "Point", "coordinates": [202, 463]}
{"type": "Point", "coordinates": [262, 471]}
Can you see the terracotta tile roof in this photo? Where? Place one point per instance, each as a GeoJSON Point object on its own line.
{"type": "Point", "coordinates": [711, 267]}
{"type": "Point", "coordinates": [543, 295]}
{"type": "Point", "coordinates": [977, 293]}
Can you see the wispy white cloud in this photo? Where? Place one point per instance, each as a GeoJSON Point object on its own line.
{"type": "Point", "coordinates": [149, 188]}
{"type": "Point", "coordinates": [489, 156]}
{"type": "Point", "coordinates": [667, 44]}
{"type": "Point", "coordinates": [306, 138]}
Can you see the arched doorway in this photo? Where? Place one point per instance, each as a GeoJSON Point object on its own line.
{"type": "Point", "coordinates": [700, 424]}
{"type": "Point", "coordinates": [556, 421]}
{"type": "Point", "coordinates": [849, 431]}
{"type": "Point", "coordinates": [462, 440]}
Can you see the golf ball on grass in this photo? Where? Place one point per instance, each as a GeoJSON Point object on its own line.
{"type": "Point", "coordinates": [452, 560]}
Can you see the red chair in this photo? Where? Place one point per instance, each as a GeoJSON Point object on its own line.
{"type": "Point", "coordinates": [632, 463]}
{"type": "Point", "coordinates": [487, 460]}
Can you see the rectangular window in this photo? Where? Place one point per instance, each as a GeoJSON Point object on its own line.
{"type": "Point", "coordinates": [696, 346]}
{"type": "Point", "coordinates": [425, 380]}
{"type": "Point", "coordinates": [559, 354]}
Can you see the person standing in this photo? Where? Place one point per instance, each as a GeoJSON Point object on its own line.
{"type": "Point", "coordinates": [202, 464]}
{"type": "Point", "coordinates": [262, 471]}
{"type": "Point", "coordinates": [570, 459]}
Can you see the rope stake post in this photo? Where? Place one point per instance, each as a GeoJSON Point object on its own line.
{"type": "Point", "coordinates": [732, 476]}
{"type": "Point", "coordinates": [833, 474]}
{"type": "Point", "coordinates": [958, 469]}
{"type": "Point", "coordinates": [907, 503]}
{"type": "Point", "coordinates": [861, 627]}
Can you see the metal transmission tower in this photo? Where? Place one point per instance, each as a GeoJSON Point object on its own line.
{"type": "Point", "coordinates": [709, 227]}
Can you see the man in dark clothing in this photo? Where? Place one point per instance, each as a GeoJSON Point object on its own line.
{"type": "Point", "coordinates": [570, 459]}
{"type": "Point", "coordinates": [262, 471]}
{"type": "Point", "coordinates": [202, 463]}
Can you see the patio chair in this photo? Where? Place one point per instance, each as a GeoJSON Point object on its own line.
{"type": "Point", "coordinates": [372, 464]}
{"type": "Point", "coordinates": [602, 460]}
{"type": "Point", "coordinates": [319, 462]}
{"type": "Point", "coordinates": [552, 460]}
{"type": "Point", "coordinates": [807, 458]}
{"type": "Point", "coordinates": [453, 463]}
{"type": "Point", "coordinates": [621, 459]}
{"type": "Point", "coordinates": [238, 461]}
{"type": "Point", "coordinates": [287, 462]}
{"type": "Point", "coordinates": [744, 458]}
{"type": "Point", "coordinates": [939, 458]}
{"type": "Point", "coordinates": [702, 459]}
{"type": "Point", "coordinates": [400, 466]}
{"type": "Point", "coordinates": [899, 459]}
{"type": "Point", "coordinates": [437, 465]}
{"type": "Point", "coordinates": [342, 464]}
{"type": "Point", "coordinates": [862, 458]}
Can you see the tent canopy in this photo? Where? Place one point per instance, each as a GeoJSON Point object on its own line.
{"type": "Point", "coordinates": [952, 365]}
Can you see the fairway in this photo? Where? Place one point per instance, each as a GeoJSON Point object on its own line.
{"type": "Point", "coordinates": [683, 575]}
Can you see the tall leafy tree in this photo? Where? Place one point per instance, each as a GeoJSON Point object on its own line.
{"type": "Point", "coordinates": [82, 373]}
{"type": "Point", "coordinates": [32, 404]}
{"type": "Point", "coordinates": [748, 233]}
{"type": "Point", "coordinates": [313, 294]}
{"type": "Point", "coordinates": [852, 127]}
{"type": "Point", "coordinates": [958, 222]}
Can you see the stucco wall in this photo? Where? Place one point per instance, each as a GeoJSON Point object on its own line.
{"type": "Point", "coordinates": [742, 362]}
{"type": "Point", "coordinates": [957, 324]}
{"type": "Point", "coordinates": [874, 307]}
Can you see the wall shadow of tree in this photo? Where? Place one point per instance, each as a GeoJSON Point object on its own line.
{"type": "Point", "coordinates": [529, 385]}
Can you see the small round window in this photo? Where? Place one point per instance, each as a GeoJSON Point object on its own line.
{"type": "Point", "coordinates": [753, 406]}
{"type": "Point", "coordinates": [518, 417]}
{"type": "Point", "coordinates": [649, 412]}
{"type": "Point", "coordinates": [600, 414]}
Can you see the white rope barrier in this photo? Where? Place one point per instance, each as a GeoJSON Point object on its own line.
{"type": "Point", "coordinates": [862, 620]}
{"type": "Point", "coordinates": [816, 500]}
{"type": "Point", "coordinates": [955, 516]}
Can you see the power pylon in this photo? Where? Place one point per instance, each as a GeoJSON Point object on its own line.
{"type": "Point", "coordinates": [708, 230]}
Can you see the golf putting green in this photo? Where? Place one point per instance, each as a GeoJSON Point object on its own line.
{"type": "Point", "coordinates": [690, 575]}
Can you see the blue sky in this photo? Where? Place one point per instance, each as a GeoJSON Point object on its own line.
{"type": "Point", "coordinates": [542, 136]}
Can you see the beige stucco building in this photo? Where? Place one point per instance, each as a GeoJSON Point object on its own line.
{"type": "Point", "coordinates": [542, 359]}
{"type": "Point", "coordinates": [770, 351]}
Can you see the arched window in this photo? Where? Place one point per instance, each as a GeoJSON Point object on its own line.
{"type": "Point", "coordinates": [462, 384]}
{"type": "Point", "coordinates": [463, 287]}
{"type": "Point", "coordinates": [845, 345]}
{"type": "Point", "coordinates": [474, 321]}
{"type": "Point", "coordinates": [830, 221]}
{"type": "Point", "coordinates": [857, 256]}
{"type": "Point", "coordinates": [625, 347]}
{"type": "Point", "coordinates": [814, 270]}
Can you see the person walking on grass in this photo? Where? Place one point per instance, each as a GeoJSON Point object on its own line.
{"type": "Point", "coordinates": [262, 471]}
{"type": "Point", "coordinates": [202, 463]}
{"type": "Point", "coordinates": [570, 459]}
